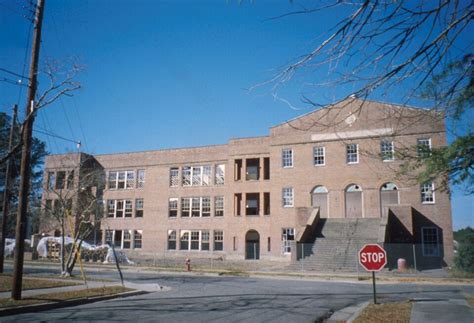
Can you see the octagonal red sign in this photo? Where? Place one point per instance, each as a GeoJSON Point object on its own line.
{"type": "Point", "coordinates": [372, 257]}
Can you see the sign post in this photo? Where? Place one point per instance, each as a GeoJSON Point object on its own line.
{"type": "Point", "coordinates": [373, 258]}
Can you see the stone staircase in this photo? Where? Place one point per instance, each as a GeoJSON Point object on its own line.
{"type": "Point", "coordinates": [337, 244]}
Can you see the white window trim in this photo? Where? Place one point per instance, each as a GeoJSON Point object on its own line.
{"type": "Point", "coordinates": [324, 156]}
{"type": "Point", "coordinates": [292, 196]}
{"type": "Point", "coordinates": [393, 151]}
{"type": "Point", "coordinates": [357, 155]}
{"type": "Point", "coordinates": [283, 240]}
{"type": "Point", "coordinates": [438, 245]}
{"type": "Point", "coordinates": [283, 159]}
{"type": "Point", "coordinates": [432, 192]}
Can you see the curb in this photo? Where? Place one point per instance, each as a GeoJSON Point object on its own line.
{"type": "Point", "coordinates": [73, 302]}
{"type": "Point", "coordinates": [348, 314]}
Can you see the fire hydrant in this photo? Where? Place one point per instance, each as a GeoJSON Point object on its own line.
{"type": "Point", "coordinates": [188, 264]}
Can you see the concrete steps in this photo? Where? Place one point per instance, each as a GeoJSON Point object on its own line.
{"type": "Point", "coordinates": [337, 244]}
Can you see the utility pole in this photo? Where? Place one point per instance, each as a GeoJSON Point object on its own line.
{"type": "Point", "coordinates": [6, 193]}
{"type": "Point", "coordinates": [26, 156]}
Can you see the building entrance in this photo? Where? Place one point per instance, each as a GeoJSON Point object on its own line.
{"type": "Point", "coordinates": [252, 245]}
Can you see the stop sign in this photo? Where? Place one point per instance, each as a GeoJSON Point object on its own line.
{"type": "Point", "coordinates": [372, 257]}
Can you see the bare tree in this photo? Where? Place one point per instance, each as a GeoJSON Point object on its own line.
{"type": "Point", "coordinates": [420, 50]}
{"type": "Point", "coordinates": [73, 203]}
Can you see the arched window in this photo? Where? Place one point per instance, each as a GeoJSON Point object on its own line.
{"type": "Point", "coordinates": [353, 199]}
{"type": "Point", "coordinates": [319, 198]}
{"type": "Point", "coordinates": [388, 196]}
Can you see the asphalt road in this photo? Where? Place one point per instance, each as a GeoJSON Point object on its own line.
{"type": "Point", "coordinates": [235, 299]}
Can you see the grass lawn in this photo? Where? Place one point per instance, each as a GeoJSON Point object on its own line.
{"type": "Point", "coordinates": [63, 296]}
{"type": "Point", "coordinates": [32, 283]}
{"type": "Point", "coordinates": [390, 312]}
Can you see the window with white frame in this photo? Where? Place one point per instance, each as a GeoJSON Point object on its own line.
{"type": "Point", "coordinates": [205, 206]}
{"type": "Point", "coordinates": [387, 150]}
{"type": "Point", "coordinates": [430, 241]}
{"type": "Point", "coordinates": [109, 236]}
{"type": "Point", "coordinates": [287, 158]}
{"type": "Point", "coordinates": [423, 147]}
{"type": "Point", "coordinates": [173, 207]}
{"type": "Point", "coordinates": [119, 208]}
{"type": "Point", "coordinates": [174, 177]}
{"type": "Point", "coordinates": [427, 193]}
{"type": "Point", "coordinates": [193, 240]}
{"type": "Point", "coordinates": [185, 207]}
{"type": "Point", "coordinates": [186, 174]}
{"type": "Point", "coordinates": [352, 153]}
{"type": "Point", "coordinates": [139, 203]}
{"type": "Point", "coordinates": [206, 175]}
{"type": "Point", "coordinates": [119, 180]}
{"type": "Point", "coordinates": [288, 196]}
{"type": "Point", "coordinates": [218, 240]}
{"type": "Point", "coordinates": [196, 207]}
{"type": "Point", "coordinates": [196, 175]}
{"type": "Point", "coordinates": [127, 239]}
{"type": "Point", "coordinates": [220, 174]}
{"type": "Point", "coordinates": [137, 239]}
{"type": "Point", "coordinates": [171, 239]}
{"type": "Point", "coordinates": [319, 155]}
{"type": "Point", "coordinates": [219, 206]}
{"type": "Point", "coordinates": [128, 209]}
{"type": "Point", "coordinates": [51, 180]}
{"type": "Point", "coordinates": [140, 178]}
{"type": "Point", "coordinates": [287, 235]}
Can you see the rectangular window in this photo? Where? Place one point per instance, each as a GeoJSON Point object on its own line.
{"type": "Point", "coordinates": [186, 171]}
{"type": "Point", "coordinates": [424, 147]}
{"type": "Point", "coordinates": [185, 207]}
{"type": "Point", "coordinates": [197, 176]}
{"type": "Point", "coordinates": [171, 239]}
{"type": "Point", "coordinates": [218, 240]}
{"type": "Point", "coordinates": [109, 235]}
{"type": "Point", "coordinates": [206, 175]}
{"type": "Point", "coordinates": [206, 206]}
{"type": "Point", "coordinates": [219, 206]}
{"type": "Point", "coordinates": [427, 193]}
{"type": "Point", "coordinates": [173, 207]}
{"type": "Point", "coordinates": [70, 179]}
{"type": "Point", "coordinates": [128, 208]}
{"type": "Point", "coordinates": [387, 150]}
{"type": "Point", "coordinates": [266, 203]}
{"type": "Point", "coordinates": [288, 197]}
{"type": "Point", "coordinates": [205, 240]}
{"type": "Point", "coordinates": [238, 169]}
{"type": "Point", "coordinates": [112, 180]}
{"type": "Point", "coordinates": [319, 157]}
{"type": "Point", "coordinates": [130, 179]}
{"type": "Point", "coordinates": [137, 239]}
{"type": "Point", "coordinates": [266, 168]}
{"type": "Point", "coordinates": [51, 180]}
{"type": "Point", "coordinates": [60, 180]}
{"type": "Point", "coordinates": [184, 240]}
{"type": "Point", "coordinates": [195, 207]}
{"type": "Point", "coordinates": [118, 238]}
{"type": "Point", "coordinates": [140, 178]}
{"type": "Point", "coordinates": [253, 169]}
{"type": "Point", "coordinates": [48, 205]}
{"type": "Point", "coordinates": [237, 203]}
{"type": "Point", "coordinates": [110, 208]}
{"type": "Point", "coordinates": [352, 153]}
{"type": "Point", "coordinates": [127, 239]}
{"type": "Point", "coordinates": [430, 241]}
{"type": "Point", "coordinates": [287, 158]}
{"type": "Point", "coordinates": [119, 208]}
{"type": "Point", "coordinates": [220, 174]}
{"type": "Point", "coordinates": [287, 235]}
{"type": "Point", "coordinates": [252, 203]}
{"type": "Point", "coordinates": [139, 208]}
{"type": "Point", "coordinates": [194, 240]}
{"type": "Point", "coordinates": [121, 176]}
{"type": "Point", "coordinates": [174, 177]}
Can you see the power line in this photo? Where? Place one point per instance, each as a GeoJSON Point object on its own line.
{"type": "Point", "coordinates": [56, 136]}
{"type": "Point", "coordinates": [13, 73]}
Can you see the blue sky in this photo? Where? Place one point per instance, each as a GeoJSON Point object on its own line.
{"type": "Point", "coordinates": [163, 74]}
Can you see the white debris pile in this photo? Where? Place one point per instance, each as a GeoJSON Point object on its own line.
{"type": "Point", "coordinates": [43, 249]}
{"type": "Point", "coordinates": [121, 256]}
{"type": "Point", "coordinates": [10, 246]}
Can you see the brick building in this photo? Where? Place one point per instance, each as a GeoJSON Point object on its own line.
{"type": "Point", "coordinates": [258, 198]}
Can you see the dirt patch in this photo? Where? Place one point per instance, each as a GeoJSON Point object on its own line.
{"type": "Point", "coordinates": [470, 300]}
{"type": "Point", "coordinates": [390, 312]}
